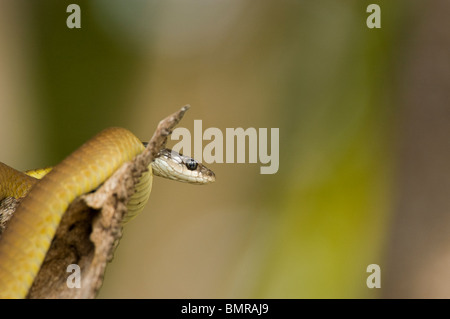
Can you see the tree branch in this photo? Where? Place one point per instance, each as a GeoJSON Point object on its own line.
{"type": "Point", "coordinates": [92, 226]}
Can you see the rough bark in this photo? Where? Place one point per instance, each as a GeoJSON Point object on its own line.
{"type": "Point", "coordinates": [92, 226]}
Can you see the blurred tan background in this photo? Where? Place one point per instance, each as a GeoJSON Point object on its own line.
{"type": "Point", "coordinates": [364, 167]}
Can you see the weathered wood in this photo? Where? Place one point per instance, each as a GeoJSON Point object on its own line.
{"type": "Point", "coordinates": [92, 226]}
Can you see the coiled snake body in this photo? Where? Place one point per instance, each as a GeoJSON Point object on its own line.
{"type": "Point", "coordinates": [25, 241]}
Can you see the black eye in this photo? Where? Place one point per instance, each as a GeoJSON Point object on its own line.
{"type": "Point", "coordinates": [191, 164]}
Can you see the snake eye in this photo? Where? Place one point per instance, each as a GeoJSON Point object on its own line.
{"type": "Point", "coordinates": [191, 164]}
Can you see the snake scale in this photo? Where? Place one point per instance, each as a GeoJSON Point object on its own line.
{"type": "Point", "coordinates": [27, 237]}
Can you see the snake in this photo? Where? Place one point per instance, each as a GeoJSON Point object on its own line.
{"type": "Point", "coordinates": [46, 194]}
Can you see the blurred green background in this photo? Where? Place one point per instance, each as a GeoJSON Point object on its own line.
{"type": "Point", "coordinates": [335, 89]}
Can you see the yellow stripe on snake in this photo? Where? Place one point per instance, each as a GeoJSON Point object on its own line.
{"type": "Point", "coordinates": [27, 237]}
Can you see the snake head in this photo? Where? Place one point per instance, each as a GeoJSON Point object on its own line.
{"type": "Point", "coordinates": [173, 165]}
